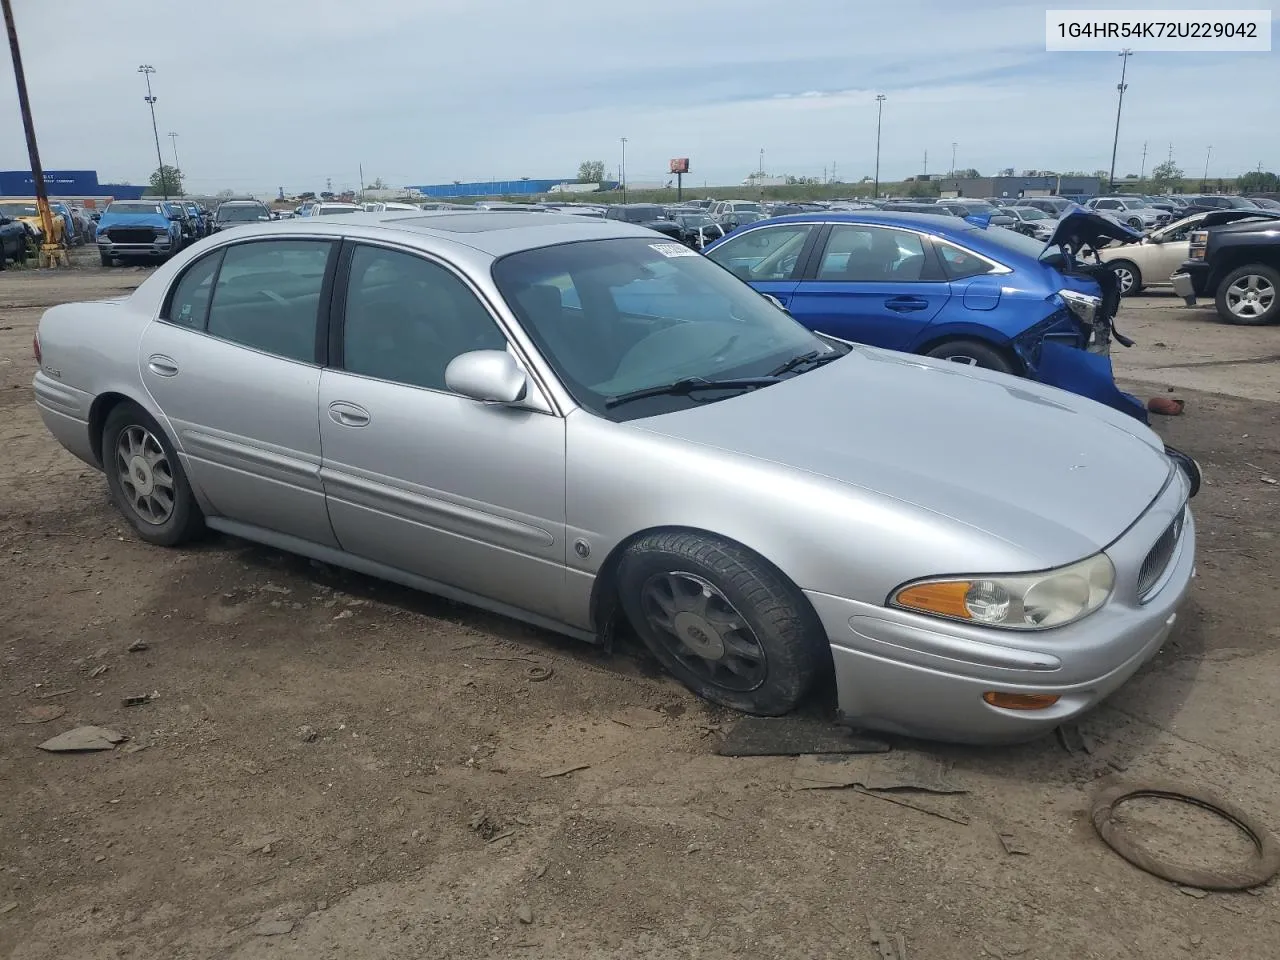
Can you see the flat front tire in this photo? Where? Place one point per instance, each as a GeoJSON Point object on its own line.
{"type": "Point", "coordinates": [723, 621]}
{"type": "Point", "coordinates": [146, 479]}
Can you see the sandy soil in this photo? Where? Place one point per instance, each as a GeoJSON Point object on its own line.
{"type": "Point", "coordinates": [335, 767]}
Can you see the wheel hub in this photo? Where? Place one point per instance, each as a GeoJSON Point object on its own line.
{"type": "Point", "coordinates": [143, 481]}
{"type": "Point", "coordinates": [699, 635]}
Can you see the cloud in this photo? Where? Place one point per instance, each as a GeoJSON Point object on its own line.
{"type": "Point", "coordinates": [291, 92]}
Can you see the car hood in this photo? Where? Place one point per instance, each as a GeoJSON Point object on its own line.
{"type": "Point", "coordinates": [1219, 217]}
{"type": "Point", "coordinates": [134, 220]}
{"type": "Point", "coordinates": [1078, 227]}
{"type": "Point", "coordinates": [1058, 476]}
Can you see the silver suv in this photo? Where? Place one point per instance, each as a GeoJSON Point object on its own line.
{"type": "Point", "coordinates": [1133, 211]}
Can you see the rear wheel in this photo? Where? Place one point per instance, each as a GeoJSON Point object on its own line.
{"type": "Point", "coordinates": [146, 479]}
{"type": "Point", "coordinates": [1250, 295]}
{"type": "Point", "coordinates": [1128, 276]}
{"type": "Point", "coordinates": [972, 353]}
{"type": "Point", "coordinates": [723, 621]}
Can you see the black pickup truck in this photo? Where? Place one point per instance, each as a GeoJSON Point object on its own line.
{"type": "Point", "coordinates": [1238, 265]}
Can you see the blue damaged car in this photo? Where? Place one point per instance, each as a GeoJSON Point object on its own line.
{"type": "Point", "coordinates": [945, 287]}
{"type": "Point", "coordinates": [149, 229]}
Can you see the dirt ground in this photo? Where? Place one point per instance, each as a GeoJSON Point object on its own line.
{"type": "Point", "coordinates": [333, 767]}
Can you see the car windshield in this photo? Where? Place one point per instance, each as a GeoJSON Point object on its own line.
{"type": "Point", "coordinates": [694, 219]}
{"type": "Point", "coordinates": [1029, 213]}
{"type": "Point", "coordinates": [241, 213]}
{"type": "Point", "coordinates": [615, 316]}
{"type": "Point", "coordinates": [980, 206]}
{"type": "Point", "coordinates": [739, 206]}
{"type": "Point", "coordinates": [19, 210]}
{"type": "Point", "coordinates": [124, 206]}
{"type": "Point", "coordinates": [1013, 241]}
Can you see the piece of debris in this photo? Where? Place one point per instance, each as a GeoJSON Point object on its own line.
{"type": "Point", "coordinates": [55, 693]}
{"type": "Point", "coordinates": [693, 848]}
{"type": "Point", "coordinates": [1166, 406]}
{"type": "Point", "coordinates": [98, 671]}
{"type": "Point", "coordinates": [1075, 740]}
{"type": "Point", "coordinates": [1194, 892]}
{"type": "Point", "coordinates": [272, 928]}
{"type": "Point", "coordinates": [83, 739]}
{"type": "Point", "coordinates": [270, 587]}
{"type": "Point", "coordinates": [41, 713]}
{"type": "Point", "coordinates": [879, 939]}
{"type": "Point", "coordinates": [344, 615]}
{"type": "Point", "coordinates": [899, 770]}
{"type": "Point", "coordinates": [139, 700]}
{"type": "Point", "coordinates": [135, 748]}
{"type": "Point", "coordinates": [564, 771]}
{"type": "Point", "coordinates": [502, 836]}
{"type": "Point", "coordinates": [99, 858]}
{"type": "Point", "coordinates": [524, 914]}
{"type": "Point", "coordinates": [538, 672]}
{"type": "Point", "coordinates": [9, 907]}
{"type": "Point", "coordinates": [899, 801]}
{"type": "Point", "coordinates": [485, 825]}
{"type": "Point", "coordinates": [639, 718]}
{"type": "Point", "coordinates": [138, 646]}
{"type": "Point", "coordinates": [1270, 480]}
{"type": "Point", "coordinates": [307, 733]}
{"type": "Point", "coordinates": [1012, 845]}
{"type": "Point", "coordinates": [538, 873]}
{"type": "Point", "coordinates": [793, 737]}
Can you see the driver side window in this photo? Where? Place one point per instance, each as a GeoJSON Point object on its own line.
{"type": "Point", "coordinates": [772, 253]}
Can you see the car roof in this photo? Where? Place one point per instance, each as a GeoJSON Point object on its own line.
{"type": "Point", "coordinates": [495, 233]}
{"type": "Point", "coordinates": [933, 222]}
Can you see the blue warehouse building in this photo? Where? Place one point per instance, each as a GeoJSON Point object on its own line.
{"type": "Point", "coordinates": [495, 188]}
{"type": "Point", "coordinates": [65, 183]}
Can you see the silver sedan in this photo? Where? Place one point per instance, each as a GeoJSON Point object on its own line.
{"type": "Point", "coordinates": [589, 427]}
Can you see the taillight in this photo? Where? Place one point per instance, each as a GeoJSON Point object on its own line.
{"type": "Point", "coordinates": [35, 348]}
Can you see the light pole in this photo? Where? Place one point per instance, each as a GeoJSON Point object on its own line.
{"type": "Point", "coordinates": [1204, 180]}
{"type": "Point", "coordinates": [147, 70]}
{"type": "Point", "coordinates": [622, 170]}
{"type": "Point", "coordinates": [761, 167]}
{"type": "Point", "coordinates": [953, 159]}
{"type": "Point", "coordinates": [879, 112]}
{"type": "Point", "coordinates": [1125, 54]}
{"type": "Point", "coordinates": [173, 138]}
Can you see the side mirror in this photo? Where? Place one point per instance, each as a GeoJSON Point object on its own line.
{"type": "Point", "coordinates": [491, 376]}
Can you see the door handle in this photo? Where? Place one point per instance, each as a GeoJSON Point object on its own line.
{"type": "Point", "coordinates": [348, 414]}
{"type": "Point", "coordinates": [906, 304]}
{"type": "Point", "coordinates": [162, 366]}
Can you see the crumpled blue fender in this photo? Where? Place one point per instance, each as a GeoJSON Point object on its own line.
{"type": "Point", "coordinates": [1087, 374]}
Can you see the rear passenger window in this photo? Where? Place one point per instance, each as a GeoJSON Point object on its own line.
{"type": "Point", "coordinates": [268, 296]}
{"type": "Point", "coordinates": [189, 305]}
{"type": "Point", "coordinates": [959, 263]}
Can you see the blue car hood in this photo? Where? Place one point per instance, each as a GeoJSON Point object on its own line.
{"type": "Point", "coordinates": [133, 220]}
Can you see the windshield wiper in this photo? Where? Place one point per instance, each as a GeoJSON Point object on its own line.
{"type": "Point", "coordinates": [816, 357]}
{"type": "Point", "coordinates": [689, 385]}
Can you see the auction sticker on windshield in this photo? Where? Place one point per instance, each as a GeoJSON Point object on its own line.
{"type": "Point", "coordinates": [1206, 31]}
{"type": "Point", "coordinates": [673, 250]}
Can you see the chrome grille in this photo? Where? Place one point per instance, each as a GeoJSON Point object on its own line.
{"type": "Point", "coordinates": [1157, 560]}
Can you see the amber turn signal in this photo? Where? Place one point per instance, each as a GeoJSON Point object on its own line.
{"type": "Point", "coordinates": [1020, 701]}
{"type": "Point", "coordinates": [945, 598]}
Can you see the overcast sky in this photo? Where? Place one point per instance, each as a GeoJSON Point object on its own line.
{"type": "Point", "coordinates": [287, 93]}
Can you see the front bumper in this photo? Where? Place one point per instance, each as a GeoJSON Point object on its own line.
{"type": "Point", "coordinates": [160, 247]}
{"type": "Point", "coordinates": [1184, 287]}
{"type": "Point", "coordinates": [920, 676]}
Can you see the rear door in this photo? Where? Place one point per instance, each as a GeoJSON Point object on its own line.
{"type": "Point", "coordinates": [873, 284]}
{"type": "Point", "coordinates": [234, 364]}
{"type": "Point", "coordinates": [769, 258]}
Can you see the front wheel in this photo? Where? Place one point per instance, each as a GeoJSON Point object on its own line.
{"type": "Point", "coordinates": [972, 353]}
{"type": "Point", "coordinates": [723, 621]}
{"type": "Point", "coordinates": [1128, 276]}
{"type": "Point", "coordinates": [105, 258]}
{"type": "Point", "coordinates": [1247, 295]}
{"type": "Point", "coordinates": [1136, 223]}
{"type": "Point", "coordinates": [146, 479]}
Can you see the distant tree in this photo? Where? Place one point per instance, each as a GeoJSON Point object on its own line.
{"type": "Point", "coordinates": [591, 171]}
{"type": "Point", "coordinates": [1256, 181]}
{"type": "Point", "coordinates": [1165, 175]}
{"type": "Point", "coordinates": [168, 180]}
{"type": "Point", "coordinates": [225, 194]}
{"type": "Point", "coordinates": [1007, 172]}
{"type": "Point", "coordinates": [1102, 174]}
{"type": "Point", "coordinates": [968, 173]}
{"type": "Point", "coordinates": [378, 184]}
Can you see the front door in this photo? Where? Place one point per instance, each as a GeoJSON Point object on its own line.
{"type": "Point", "coordinates": [872, 284]}
{"type": "Point", "coordinates": [465, 493]}
{"type": "Point", "coordinates": [232, 362]}
{"type": "Point", "coordinates": [768, 258]}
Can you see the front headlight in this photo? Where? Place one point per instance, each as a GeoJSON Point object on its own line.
{"type": "Point", "coordinates": [1025, 601]}
{"type": "Point", "coordinates": [1083, 305]}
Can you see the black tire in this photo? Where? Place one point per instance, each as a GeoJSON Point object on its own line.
{"type": "Point", "coordinates": [105, 258]}
{"type": "Point", "coordinates": [777, 623]}
{"type": "Point", "coordinates": [1135, 283]}
{"type": "Point", "coordinates": [1136, 223]}
{"type": "Point", "coordinates": [184, 521]}
{"type": "Point", "coordinates": [1267, 280]}
{"type": "Point", "coordinates": [973, 353]}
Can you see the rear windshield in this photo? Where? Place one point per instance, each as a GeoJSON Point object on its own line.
{"type": "Point", "coordinates": [245, 213]}
{"type": "Point", "coordinates": [129, 206]}
{"type": "Point", "coordinates": [1013, 241]}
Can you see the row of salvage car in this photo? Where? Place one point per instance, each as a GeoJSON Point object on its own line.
{"type": "Point", "coordinates": [583, 424]}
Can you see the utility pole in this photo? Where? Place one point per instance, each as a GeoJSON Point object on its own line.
{"type": "Point", "coordinates": [879, 113]}
{"type": "Point", "coordinates": [1125, 54]}
{"type": "Point", "coordinates": [360, 167]}
{"type": "Point", "coordinates": [761, 167]}
{"type": "Point", "coordinates": [1208, 153]}
{"type": "Point", "coordinates": [147, 70]}
{"type": "Point", "coordinates": [1142, 170]}
{"type": "Point", "coordinates": [173, 138]}
{"type": "Point", "coordinates": [924, 172]}
{"type": "Point", "coordinates": [953, 158]}
{"type": "Point", "coordinates": [29, 128]}
{"type": "Point", "coordinates": [622, 170]}
{"type": "Point", "coordinates": [834, 178]}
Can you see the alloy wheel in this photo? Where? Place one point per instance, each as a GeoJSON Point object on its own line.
{"type": "Point", "coordinates": [1124, 276]}
{"type": "Point", "coordinates": [698, 625]}
{"type": "Point", "coordinates": [1250, 296]}
{"type": "Point", "coordinates": [146, 478]}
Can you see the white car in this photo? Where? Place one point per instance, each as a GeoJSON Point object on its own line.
{"type": "Point", "coordinates": [1133, 212]}
{"type": "Point", "coordinates": [328, 209]}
